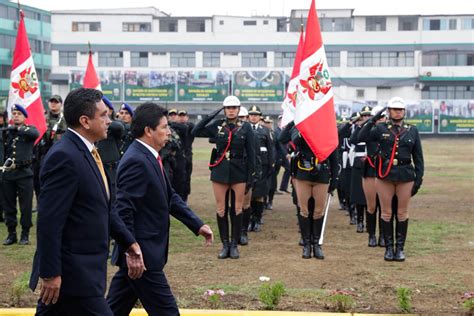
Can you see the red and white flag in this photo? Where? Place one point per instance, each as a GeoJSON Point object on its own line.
{"type": "Point", "coordinates": [289, 104]}
{"type": "Point", "coordinates": [315, 117]}
{"type": "Point", "coordinates": [91, 80]}
{"type": "Point", "coordinates": [24, 84]}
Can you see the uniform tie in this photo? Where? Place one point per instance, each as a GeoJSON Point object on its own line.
{"type": "Point", "coordinates": [161, 165]}
{"type": "Point", "coordinates": [98, 161]}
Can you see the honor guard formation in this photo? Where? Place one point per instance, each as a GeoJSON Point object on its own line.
{"type": "Point", "coordinates": [376, 169]}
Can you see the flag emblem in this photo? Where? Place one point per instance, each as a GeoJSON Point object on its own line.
{"type": "Point", "coordinates": [318, 84]}
{"type": "Point", "coordinates": [25, 83]}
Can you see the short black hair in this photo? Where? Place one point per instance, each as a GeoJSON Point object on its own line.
{"type": "Point", "coordinates": [80, 102]}
{"type": "Point", "coordinates": [148, 114]}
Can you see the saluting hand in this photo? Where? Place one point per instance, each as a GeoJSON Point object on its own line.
{"type": "Point", "coordinates": [135, 263]}
{"type": "Point", "coordinates": [207, 233]}
{"type": "Point", "coordinates": [50, 289]}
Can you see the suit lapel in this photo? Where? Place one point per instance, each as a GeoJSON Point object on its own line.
{"type": "Point", "coordinates": [155, 165]}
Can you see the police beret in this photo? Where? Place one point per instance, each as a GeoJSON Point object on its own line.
{"type": "Point", "coordinates": [17, 107]}
{"type": "Point", "coordinates": [107, 102]}
{"type": "Point", "coordinates": [127, 108]}
{"type": "Point", "coordinates": [172, 111]}
{"type": "Point", "coordinates": [56, 98]}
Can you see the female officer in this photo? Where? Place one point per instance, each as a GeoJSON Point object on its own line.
{"type": "Point", "coordinates": [399, 148]}
{"type": "Point", "coordinates": [311, 180]}
{"type": "Point", "coordinates": [232, 167]}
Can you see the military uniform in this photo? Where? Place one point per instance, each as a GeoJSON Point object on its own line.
{"type": "Point", "coordinates": [127, 139]}
{"type": "Point", "coordinates": [2, 159]}
{"type": "Point", "coordinates": [18, 180]}
{"type": "Point", "coordinates": [179, 171]}
{"type": "Point", "coordinates": [347, 161]}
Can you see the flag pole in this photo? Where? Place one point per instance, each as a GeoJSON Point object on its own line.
{"type": "Point", "coordinates": [326, 211]}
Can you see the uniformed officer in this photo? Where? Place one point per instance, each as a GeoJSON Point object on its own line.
{"type": "Point", "coordinates": [283, 158]}
{"type": "Point", "coordinates": [179, 132]}
{"type": "Point", "coordinates": [55, 127]}
{"type": "Point", "coordinates": [109, 148]}
{"type": "Point", "coordinates": [183, 119]}
{"type": "Point", "coordinates": [2, 156]}
{"type": "Point", "coordinates": [126, 116]}
{"type": "Point", "coordinates": [265, 163]}
{"type": "Point", "coordinates": [18, 174]}
{"type": "Point", "coordinates": [313, 179]}
{"type": "Point", "coordinates": [232, 167]}
{"type": "Point", "coordinates": [400, 170]}
{"type": "Point", "coordinates": [360, 153]}
{"type": "Point", "coordinates": [277, 155]}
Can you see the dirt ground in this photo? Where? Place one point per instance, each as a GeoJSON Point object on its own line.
{"type": "Point", "coordinates": [439, 249]}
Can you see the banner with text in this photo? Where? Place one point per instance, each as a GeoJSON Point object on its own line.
{"type": "Point", "coordinates": [110, 81]}
{"type": "Point", "coordinates": [149, 85]}
{"type": "Point", "coordinates": [210, 86]}
{"type": "Point", "coordinates": [456, 117]}
{"type": "Point", "coordinates": [267, 86]}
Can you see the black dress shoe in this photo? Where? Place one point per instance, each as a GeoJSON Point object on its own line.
{"type": "Point", "coordinates": [372, 241]}
{"type": "Point", "coordinates": [244, 239]}
{"type": "Point", "coordinates": [11, 239]}
{"type": "Point", "coordinates": [24, 240]}
{"type": "Point", "coordinates": [360, 227]}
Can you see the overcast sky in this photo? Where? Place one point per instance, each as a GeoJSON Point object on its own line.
{"type": "Point", "coordinates": [264, 7]}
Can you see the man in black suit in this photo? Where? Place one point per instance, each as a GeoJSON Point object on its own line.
{"type": "Point", "coordinates": [75, 218]}
{"type": "Point", "coordinates": [145, 200]}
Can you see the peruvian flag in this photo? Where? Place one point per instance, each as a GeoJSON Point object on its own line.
{"type": "Point", "coordinates": [315, 117]}
{"type": "Point", "coordinates": [290, 100]}
{"type": "Point", "coordinates": [90, 79]}
{"type": "Point", "coordinates": [24, 87]}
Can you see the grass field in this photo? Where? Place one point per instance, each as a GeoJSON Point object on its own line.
{"type": "Point", "coordinates": [439, 249]}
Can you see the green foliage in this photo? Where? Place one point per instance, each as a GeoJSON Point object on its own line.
{"type": "Point", "coordinates": [404, 299]}
{"type": "Point", "coordinates": [270, 294]}
{"type": "Point", "coordinates": [19, 288]}
{"type": "Point", "coordinates": [469, 304]}
{"type": "Point", "coordinates": [341, 302]}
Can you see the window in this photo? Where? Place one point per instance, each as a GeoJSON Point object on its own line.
{"type": "Point", "coordinates": [265, 22]}
{"type": "Point", "coordinates": [439, 24]}
{"type": "Point", "coordinates": [46, 18]}
{"type": "Point", "coordinates": [211, 59]}
{"type": "Point", "coordinates": [32, 15]}
{"type": "Point", "coordinates": [110, 59]}
{"type": "Point", "coordinates": [336, 24]}
{"type": "Point", "coordinates": [284, 59]}
{"type": "Point", "coordinates": [360, 93]}
{"type": "Point", "coordinates": [7, 41]}
{"type": "Point", "coordinates": [408, 23]}
{"type": "Point", "coordinates": [35, 46]}
{"type": "Point", "coordinates": [447, 59]}
{"type": "Point", "coordinates": [250, 22]}
{"type": "Point", "coordinates": [183, 59]}
{"type": "Point", "coordinates": [221, 22]}
{"type": "Point", "coordinates": [254, 59]}
{"type": "Point", "coordinates": [282, 25]}
{"type": "Point", "coordinates": [5, 71]}
{"type": "Point", "coordinates": [380, 59]}
{"type": "Point", "coordinates": [47, 48]}
{"type": "Point", "coordinates": [136, 27]}
{"type": "Point", "coordinates": [139, 59]}
{"type": "Point", "coordinates": [231, 54]}
{"type": "Point", "coordinates": [169, 25]}
{"type": "Point", "coordinates": [468, 24]}
{"type": "Point", "coordinates": [375, 23]}
{"type": "Point", "coordinates": [195, 25]}
{"type": "Point", "coordinates": [334, 59]}
{"type": "Point", "coordinates": [452, 24]}
{"type": "Point", "coordinates": [86, 26]}
{"type": "Point", "coordinates": [67, 58]}
{"type": "Point", "coordinates": [447, 92]}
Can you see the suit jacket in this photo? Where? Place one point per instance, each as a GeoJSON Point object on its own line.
{"type": "Point", "coordinates": [74, 221]}
{"type": "Point", "coordinates": [145, 199]}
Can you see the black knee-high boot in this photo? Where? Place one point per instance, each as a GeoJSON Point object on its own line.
{"type": "Point", "coordinates": [401, 233]}
{"type": "Point", "coordinates": [244, 240]}
{"type": "Point", "coordinates": [223, 225]}
{"type": "Point", "coordinates": [236, 221]}
{"type": "Point", "coordinates": [298, 216]}
{"type": "Point", "coordinates": [388, 235]}
{"type": "Point", "coordinates": [253, 212]}
{"type": "Point", "coordinates": [317, 228]}
{"type": "Point", "coordinates": [371, 223]}
{"type": "Point", "coordinates": [378, 211]}
{"type": "Point", "coordinates": [305, 227]}
{"type": "Point", "coordinates": [360, 218]}
{"type": "Point", "coordinates": [352, 214]}
{"type": "Point", "coordinates": [258, 216]}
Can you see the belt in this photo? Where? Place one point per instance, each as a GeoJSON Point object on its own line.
{"type": "Point", "coordinates": [397, 162]}
{"type": "Point", "coordinates": [360, 154]}
{"type": "Point", "coordinates": [231, 155]}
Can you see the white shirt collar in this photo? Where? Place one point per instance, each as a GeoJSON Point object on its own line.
{"type": "Point", "coordinates": [89, 145]}
{"type": "Point", "coordinates": [151, 149]}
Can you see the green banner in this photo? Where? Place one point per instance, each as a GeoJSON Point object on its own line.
{"type": "Point", "coordinates": [110, 82]}
{"type": "Point", "coordinates": [149, 85]}
{"type": "Point", "coordinates": [456, 116]}
{"type": "Point", "coordinates": [420, 114]}
{"type": "Point", "coordinates": [264, 86]}
{"type": "Point", "coordinates": [203, 85]}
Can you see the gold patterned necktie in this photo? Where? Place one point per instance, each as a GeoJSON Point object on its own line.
{"type": "Point", "coordinates": [98, 161]}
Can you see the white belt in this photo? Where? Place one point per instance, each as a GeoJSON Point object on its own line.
{"type": "Point", "coordinates": [360, 154]}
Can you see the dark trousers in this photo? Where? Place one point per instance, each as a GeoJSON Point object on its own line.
{"type": "Point", "coordinates": [23, 190]}
{"type": "Point", "coordinates": [152, 289]}
{"type": "Point", "coordinates": [75, 306]}
{"type": "Point", "coordinates": [286, 175]}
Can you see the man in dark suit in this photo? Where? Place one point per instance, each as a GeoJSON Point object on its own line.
{"type": "Point", "coordinates": [145, 199]}
{"type": "Point", "coordinates": [75, 216]}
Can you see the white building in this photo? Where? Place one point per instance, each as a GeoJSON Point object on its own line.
{"type": "Point", "coordinates": [370, 57]}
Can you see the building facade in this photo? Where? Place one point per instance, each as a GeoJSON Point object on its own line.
{"type": "Point", "coordinates": [371, 58]}
{"type": "Point", "coordinates": [38, 27]}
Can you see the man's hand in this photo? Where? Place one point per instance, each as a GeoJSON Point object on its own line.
{"type": "Point", "coordinates": [135, 263]}
{"type": "Point", "coordinates": [207, 233]}
{"type": "Point", "coordinates": [50, 289]}
{"type": "Point", "coordinates": [378, 115]}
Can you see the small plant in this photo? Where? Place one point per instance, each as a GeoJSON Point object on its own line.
{"type": "Point", "coordinates": [404, 299]}
{"type": "Point", "coordinates": [270, 294]}
{"type": "Point", "coordinates": [213, 297]}
{"type": "Point", "coordinates": [19, 288]}
{"type": "Point", "coordinates": [341, 301]}
{"type": "Point", "coordinates": [467, 301]}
